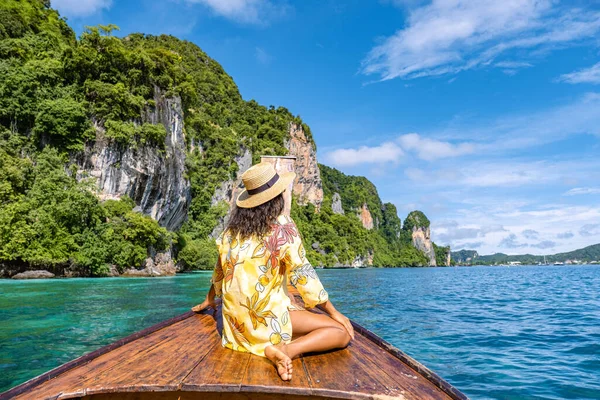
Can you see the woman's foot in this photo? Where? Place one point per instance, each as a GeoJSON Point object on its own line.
{"type": "Point", "coordinates": [282, 361]}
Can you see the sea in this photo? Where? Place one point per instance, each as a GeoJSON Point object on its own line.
{"type": "Point", "coordinates": [523, 332]}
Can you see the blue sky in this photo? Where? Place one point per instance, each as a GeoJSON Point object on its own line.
{"type": "Point", "coordinates": [483, 114]}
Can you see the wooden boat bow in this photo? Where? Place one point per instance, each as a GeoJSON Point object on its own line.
{"type": "Point", "coordinates": [182, 358]}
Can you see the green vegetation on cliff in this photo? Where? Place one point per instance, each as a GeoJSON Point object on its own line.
{"type": "Point", "coordinates": [59, 94]}
{"type": "Point", "coordinates": [49, 220]}
{"type": "Point", "coordinates": [441, 254]}
{"type": "Point", "coordinates": [415, 218]}
{"type": "Point", "coordinates": [464, 256]}
{"type": "Point", "coordinates": [57, 88]}
{"type": "Point", "coordinates": [342, 239]}
{"type": "Point", "coordinates": [354, 192]}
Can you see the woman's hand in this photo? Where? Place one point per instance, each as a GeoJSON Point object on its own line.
{"type": "Point", "coordinates": [342, 319]}
{"type": "Point", "coordinates": [205, 304]}
{"type": "Point", "coordinates": [208, 302]}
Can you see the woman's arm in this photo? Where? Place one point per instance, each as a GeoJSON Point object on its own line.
{"type": "Point", "coordinates": [209, 301]}
{"type": "Point", "coordinates": [216, 279]}
{"type": "Point", "coordinates": [337, 316]}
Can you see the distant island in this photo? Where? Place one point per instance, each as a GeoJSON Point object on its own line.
{"type": "Point", "coordinates": [587, 255]}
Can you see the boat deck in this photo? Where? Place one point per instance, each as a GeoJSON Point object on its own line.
{"type": "Point", "coordinates": [183, 359]}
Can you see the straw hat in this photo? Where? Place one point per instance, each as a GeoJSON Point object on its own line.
{"type": "Point", "coordinates": [262, 184]}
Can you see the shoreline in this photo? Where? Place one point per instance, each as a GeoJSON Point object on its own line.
{"type": "Point", "coordinates": [62, 277]}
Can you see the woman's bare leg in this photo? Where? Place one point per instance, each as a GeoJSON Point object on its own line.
{"type": "Point", "coordinates": [316, 332]}
{"type": "Point", "coordinates": [319, 333]}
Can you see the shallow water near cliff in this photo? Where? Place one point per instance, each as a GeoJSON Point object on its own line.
{"type": "Point", "coordinates": [494, 332]}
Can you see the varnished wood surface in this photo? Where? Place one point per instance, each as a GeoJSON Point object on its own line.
{"type": "Point", "coordinates": [183, 359]}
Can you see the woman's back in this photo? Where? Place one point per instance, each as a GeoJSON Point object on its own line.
{"type": "Point", "coordinates": [252, 276]}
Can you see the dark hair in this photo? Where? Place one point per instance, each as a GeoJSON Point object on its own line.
{"type": "Point", "coordinates": [256, 220]}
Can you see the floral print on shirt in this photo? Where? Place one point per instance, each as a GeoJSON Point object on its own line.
{"type": "Point", "coordinates": [252, 278]}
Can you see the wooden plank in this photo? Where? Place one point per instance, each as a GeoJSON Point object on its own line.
{"type": "Point", "coordinates": [185, 356]}
{"type": "Point", "coordinates": [181, 395]}
{"type": "Point", "coordinates": [75, 381]}
{"type": "Point", "coordinates": [340, 374]}
{"type": "Point", "coordinates": [89, 356]}
{"type": "Point", "coordinates": [70, 381]}
{"type": "Point", "coordinates": [162, 367]}
{"type": "Point", "coordinates": [223, 370]}
{"type": "Point", "coordinates": [262, 377]}
{"type": "Point", "coordinates": [394, 373]}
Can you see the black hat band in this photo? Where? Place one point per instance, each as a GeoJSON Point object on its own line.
{"type": "Point", "coordinates": [264, 186]}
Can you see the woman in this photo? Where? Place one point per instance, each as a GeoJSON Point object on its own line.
{"type": "Point", "coordinates": [260, 251]}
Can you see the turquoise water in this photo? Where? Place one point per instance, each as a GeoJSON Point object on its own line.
{"type": "Point", "coordinates": [493, 332]}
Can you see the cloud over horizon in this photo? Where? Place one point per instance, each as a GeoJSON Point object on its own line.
{"type": "Point", "coordinates": [386, 152]}
{"type": "Point", "coordinates": [80, 8]}
{"type": "Point", "coordinates": [253, 12]}
{"type": "Point", "coordinates": [584, 75]}
{"type": "Point", "coordinates": [449, 36]}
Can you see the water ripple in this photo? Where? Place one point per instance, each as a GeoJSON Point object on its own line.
{"type": "Point", "coordinates": [493, 332]}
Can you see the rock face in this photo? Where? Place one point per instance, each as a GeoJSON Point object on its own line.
{"type": "Point", "coordinates": [40, 274]}
{"type": "Point", "coordinates": [421, 239]}
{"type": "Point", "coordinates": [336, 204]}
{"type": "Point", "coordinates": [153, 178]}
{"type": "Point", "coordinates": [160, 264]}
{"type": "Point", "coordinates": [230, 189]}
{"type": "Point", "coordinates": [308, 187]}
{"type": "Point", "coordinates": [448, 257]}
{"type": "Point", "coordinates": [363, 260]}
{"type": "Point", "coordinates": [365, 217]}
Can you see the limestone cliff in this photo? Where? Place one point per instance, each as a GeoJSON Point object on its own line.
{"type": "Point", "coordinates": [365, 217]}
{"type": "Point", "coordinates": [158, 264]}
{"type": "Point", "coordinates": [363, 260]}
{"type": "Point", "coordinates": [308, 187]}
{"type": "Point", "coordinates": [230, 189]}
{"type": "Point", "coordinates": [336, 204]}
{"type": "Point", "coordinates": [104, 82]}
{"type": "Point", "coordinates": [418, 225]}
{"type": "Point", "coordinates": [153, 178]}
{"type": "Point", "coordinates": [421, 239]}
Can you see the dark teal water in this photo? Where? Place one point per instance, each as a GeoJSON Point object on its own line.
{"type": "Point", "coordinates": [493, 332]}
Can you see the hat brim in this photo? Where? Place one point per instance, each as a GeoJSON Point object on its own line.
{"type": "Point", "coordinates": [247, 200]}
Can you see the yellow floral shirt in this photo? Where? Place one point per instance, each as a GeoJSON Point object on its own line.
{"type": "Point", "coordinates": [252, 277]}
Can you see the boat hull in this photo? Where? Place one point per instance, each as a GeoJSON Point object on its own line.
{"type": "Point", "coordinates": [182, 358]}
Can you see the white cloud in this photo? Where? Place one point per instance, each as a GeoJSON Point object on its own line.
{"type": "Point", "coordinates": [504, 135]}
{"type": "Point", "coordinates": [447, 36]}
{"type": "Point", "coordinates": [586, 75]}
{"type": "Point", "coordinates": [80, 8]}
{"type": "Point", "coordinates": [532, 129]}
{"type": "Point", "coordinates": [262, 56]}
{"type": "Point", "coordinates": [387, 152]}
{"type": "Point", "coordinates": [256, 12]}
{"type": "Point", "coordinates": [510, 242]}
{"type": "Point", "coordinates": [450, 232]}
{"type": "Point", "coordinates": [590, 230]}
{"type": "Point", "coordinates": [513, 64]}
{"type": "Point", "coordinates": [582, 190]}
{"type": "Point", "coordinates": [501, 173]}
{"type": "Point", "coordinates": [546, 244]}
{"type": "Point", "coordinates": [468, 245]}
{"type": "Point", "coordinates": [565, 235]}
{"type": "Point", "coordinates": [552, 222]}
{"type": "Point", "coordinates": [424, 148]}
{"type": "Point", "coordinates": [431, 149]}
{"type": "Point", "coordinates": [530, 234]}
